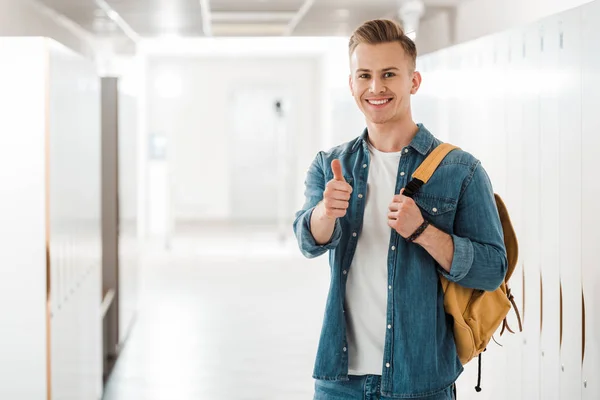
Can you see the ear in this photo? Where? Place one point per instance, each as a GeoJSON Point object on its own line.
{"type": "Point", "coordinates": [350, 83]}
{"type": "Point", "coordinates": [416, 82]}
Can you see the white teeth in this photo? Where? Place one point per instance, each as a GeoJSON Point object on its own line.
{"type": "Point", "coordinates": [378, 102]}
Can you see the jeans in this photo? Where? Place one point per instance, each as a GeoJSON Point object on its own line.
{"type": "Point", "coordinates": [365, 387]}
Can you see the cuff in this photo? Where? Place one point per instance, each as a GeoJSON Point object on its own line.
{"type": "Point", "coordinates": [307, 243]}
{"type": "Point", "coordinates": [462, 259]}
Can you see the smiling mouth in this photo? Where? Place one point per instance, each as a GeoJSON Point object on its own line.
{"type": "Point", "coordinates": [379, 102]}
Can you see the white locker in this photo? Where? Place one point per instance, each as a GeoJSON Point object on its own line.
{"type": "Point", "coordinates": [74, 229]}
{"type": "Point", "coordinates": [514, 198]}
{"type": "Point", "coordinates": [569, 197]}
{"type": "Point", "coordinates": [528, 51]}
{"type": "Point", "coordinates": [550, 209]}
{"type": "Point", "coordinates": [590, 192]}
{"type": "Point", "coordinates": [23, 350]}
{"type": "Point", "coordinates": [495, 64]}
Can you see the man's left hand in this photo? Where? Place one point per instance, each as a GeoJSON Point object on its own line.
{"type": "Point", "coordinates": [404, 216]}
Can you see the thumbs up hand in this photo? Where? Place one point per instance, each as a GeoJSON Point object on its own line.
{"type": "Point", "coordinates": [337, 193]}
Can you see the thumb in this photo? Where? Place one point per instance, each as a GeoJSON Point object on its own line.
{"type": "Point", "coordinates": [336, 167]}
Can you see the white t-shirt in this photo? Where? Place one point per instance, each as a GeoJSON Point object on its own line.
{"type": "Point", "coordinates": [367, 286]}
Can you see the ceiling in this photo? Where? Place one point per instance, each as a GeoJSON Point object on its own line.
{"type": "Point", "coordinates": [196, 18]}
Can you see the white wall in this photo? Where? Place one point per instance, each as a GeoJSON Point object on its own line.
{"type": "Point", "coordinates": [315, 70]}
{"type": "Point", "coordinates": [525, 102]}
{"type": "Point", "coordinates": [196, 119]}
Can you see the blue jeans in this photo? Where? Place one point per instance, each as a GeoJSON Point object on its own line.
{"type": "Point", "coordinates": [365, 387]}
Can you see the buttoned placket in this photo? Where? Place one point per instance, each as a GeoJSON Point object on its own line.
{"type": "Point", "coordinates": [392, 259]}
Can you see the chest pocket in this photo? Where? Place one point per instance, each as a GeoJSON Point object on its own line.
{"type": "Point", "coordinates": [440, 211]}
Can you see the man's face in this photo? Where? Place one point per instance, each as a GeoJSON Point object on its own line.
{"type": "Point", "coordinates": [382, 81]}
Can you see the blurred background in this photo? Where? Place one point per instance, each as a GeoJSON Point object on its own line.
{"type": "Point", "coordinates": [153, 154]}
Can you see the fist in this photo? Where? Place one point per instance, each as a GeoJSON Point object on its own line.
{"type": "Point", "coordinates": [404, 215]}
{"type": "Point", "coordinates": [336, 197]}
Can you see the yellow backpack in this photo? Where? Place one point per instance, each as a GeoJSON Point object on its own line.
{"type": "Point", "coordinates": [477, 314]}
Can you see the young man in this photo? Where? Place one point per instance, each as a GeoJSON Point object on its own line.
{"type": "Point", "coordinates": [385, 334]}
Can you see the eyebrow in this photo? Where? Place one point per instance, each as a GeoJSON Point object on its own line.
{"type": "Point", "coordinates": [383, 70]}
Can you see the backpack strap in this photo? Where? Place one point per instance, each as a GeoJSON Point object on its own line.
{"type": "Point", "coordinates": [505, 325]}
{"type": "Point", "coordinates": [427, 168]}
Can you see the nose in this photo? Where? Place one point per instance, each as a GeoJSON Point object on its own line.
{"type": "Point", "coordinates": [377, 86]}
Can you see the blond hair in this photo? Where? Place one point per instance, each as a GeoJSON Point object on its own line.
{"type": "Point", "coordinates": [379, 31]}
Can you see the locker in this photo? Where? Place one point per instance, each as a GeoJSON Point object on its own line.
{"type": "Point", "coordinates": [569, 42]}
{"type": "Point", "coordinates": [514, 197]}
{"type": "Point", "coordinates": [550, 209]}
{"type": "Point", "coordinates": [452, 100]}
{"type": "Point", "coordinates": [590, 192]}
{"type": "Point", "coordinates": [75, 234]}
{"type": "Point", "coordinates": [530, 246]}
{"type": "Point", "coordinates": [494, 66]}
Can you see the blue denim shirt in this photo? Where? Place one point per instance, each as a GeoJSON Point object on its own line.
{"type": "Point", "coordinates": [420, 356]}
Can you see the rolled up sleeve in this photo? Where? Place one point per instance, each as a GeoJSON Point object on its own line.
{"type": "Point", "coordinates": [479, 259]}
{"type": "Point", "coordinates": [313, 193]}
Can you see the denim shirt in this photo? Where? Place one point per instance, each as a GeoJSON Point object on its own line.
{"type": "Point", "coordinates": [420, 356]}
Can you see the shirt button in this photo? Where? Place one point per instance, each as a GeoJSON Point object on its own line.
{"type": "Point", "coordinates": [406, 150]}
{"type": "Point", "coordinates": [345, 272]}
{"type": "Point", "coordinates": [345, 349]}
{"type": "Point", "coordinates": [389, 327]}
{"type": "Point", "coordinates": [402, 174]}
{"type": "Point", "coordinates": [387, 365]}
{"type": "Point", "coordinates": [434, 209]}
{"type": "Point", "coordinates": [354, 234]}
{"type": "Point", "coordinates": [364, 165]}
{"type": "Point", "coordinates": [360, 196]}
{"type": "Point", "coordinates": [393, 248]}
{"type": "Point", "coordinates": [390, 287]}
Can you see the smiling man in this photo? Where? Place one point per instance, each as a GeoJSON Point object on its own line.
{"type": "Point", "coordinates": [385, 334]}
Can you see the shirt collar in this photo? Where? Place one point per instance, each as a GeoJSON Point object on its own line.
{"type": "Point", "coordinates": [421, 142]}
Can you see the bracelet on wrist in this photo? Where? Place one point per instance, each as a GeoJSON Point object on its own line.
{"type": "Point", "coordinates": [418, 232]}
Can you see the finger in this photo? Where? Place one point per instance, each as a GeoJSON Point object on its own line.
{"type": "Point", "coordinates": [392, 216]}
{"type": "Point", "coordinates": [399, 198]}
{"type": "Point", "coordinates": [394, 206]}
{"type": "Point", "coordinates": [336, 167]}
{"type": "Point", "coordinates": [338, 195]}
{"type": "Point", "coordinates": [339, 185]}
{"type": "Point", "coordinates": [337, 204]}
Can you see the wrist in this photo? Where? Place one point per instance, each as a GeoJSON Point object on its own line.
{"type": "Point", "coordinates": [419, 232]}
{"type": "Point", "coordinates": [321, 213]}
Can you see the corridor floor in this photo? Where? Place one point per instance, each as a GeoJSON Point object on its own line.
{"type": "Point", "coordinates": [224, 314]}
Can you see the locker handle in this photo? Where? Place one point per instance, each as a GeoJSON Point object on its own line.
{"type": "Point", "coordinates": [541, 303]}
{"type": "Point", "coordinates": [582, 326]}
{"type": "Point", "coordinates": [561, 316]}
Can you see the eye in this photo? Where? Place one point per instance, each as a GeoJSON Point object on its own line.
{"type": "Point", "coordinates": [364, 76]}
{"type": "Point", "coordinates": [389, 74]}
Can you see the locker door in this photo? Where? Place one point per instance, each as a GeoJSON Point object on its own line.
{"type": "Point", "coordinates": [452, 102]}
{"type": "Point", "coordinates": [529, 51]}
{"type": "Point", "coordinates": [569, 40]}
{"type": "Point", "coordinates": [514, 197]}
{"type": "Point", "coordinates": [549, 208]}
{"type": "Point", "coordinates": [492, 99]}
{"type": "Point", "coordinates": [590, 191]}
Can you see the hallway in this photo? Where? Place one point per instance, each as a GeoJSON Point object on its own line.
{"type": "Point", "coordinates": [228, 315]}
